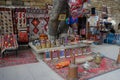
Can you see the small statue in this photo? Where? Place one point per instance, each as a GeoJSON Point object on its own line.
{"type": "Point", "coordinates": [98, 58]}
{"type": "Point", "coordinates": [86, 65]}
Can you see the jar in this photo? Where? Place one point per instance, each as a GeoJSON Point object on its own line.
{"type": "Point", "coordinates": [57, 42]}
{"type": "Point", "coordinates": [52, 43]}
{"type": "Point", "coordinates": [48, 44]}
{"type": "Point", "coordinates": [43, 44]}
{"type": "Point", "coordinates": [98, 58]}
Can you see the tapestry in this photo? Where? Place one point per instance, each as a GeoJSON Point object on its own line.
{"type": "Point", "coordinates": [105, 66]}
{"type": "Point", "coordinates": [37, 26]}
{"type": "Point", "coordinates": [36, 13]}
{"type": "Point", "coordinates": [23, 57]}
{"type": "Point", "coordinates": [6, 21]}
{"type": "Point", "coordinates": [20, 18]}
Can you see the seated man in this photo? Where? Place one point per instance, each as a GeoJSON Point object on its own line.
{"type": "Point", "coordinates": [8, 43]}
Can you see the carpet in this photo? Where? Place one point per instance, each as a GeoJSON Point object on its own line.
{"type": "Point", "coordinates": [36, 27]}
{"type": "Point", "coordinates": [23, 57]}
{"type": "Point", "coordinates": [6, 21]}
{"type": "Point", "coordinates": [106, 66]}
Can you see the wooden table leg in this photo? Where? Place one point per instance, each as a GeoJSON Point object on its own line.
{"type": "Point", "coordinates": [3, 54]}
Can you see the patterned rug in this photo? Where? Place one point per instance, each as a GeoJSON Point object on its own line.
{"type": "Point", "coordinates": [24, 57]}
{"type": "Point", "coordinates": [37, 25]}
{"type": "Point", "coordinates": [106, 66]}
{"type": "Point", "coordinates": [6, 21]}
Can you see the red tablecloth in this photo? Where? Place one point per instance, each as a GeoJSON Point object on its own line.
{"type": "Point", "coordinates": [8, 42]}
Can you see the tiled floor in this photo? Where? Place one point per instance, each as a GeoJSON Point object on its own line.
{"type": "Point", "coordinates": [40, 71]}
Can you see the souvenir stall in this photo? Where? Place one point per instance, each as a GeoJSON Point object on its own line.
{"type": "Point", "coordinates": [62, 34]}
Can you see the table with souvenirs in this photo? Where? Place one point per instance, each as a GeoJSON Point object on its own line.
{"type": "Point", "coordinates": [53, 49]}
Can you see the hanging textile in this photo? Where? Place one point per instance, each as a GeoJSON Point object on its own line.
{"type": "Point", "coordinates": [80, 7]}
{"type": "Point", "coordinates": [36, 25]}
{"type": "Point", "coordinates": [36, 13]}
{"type": "Point", "coordinates": [6, 21]}
{"type": "Point", "coordinates": [38, 21]}
{"type": "Point", "coordinates": [20, 15]}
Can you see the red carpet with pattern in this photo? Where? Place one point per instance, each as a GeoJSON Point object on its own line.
{"type": "Point", "coordinates": [24, 57]}
{"type": "Point", "coordinates": [106, 65]}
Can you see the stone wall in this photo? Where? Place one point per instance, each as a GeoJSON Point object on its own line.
{"type": "Point", "coordinates": [113, 4]}
{"type": "Point", "coordinates": [31, 3]}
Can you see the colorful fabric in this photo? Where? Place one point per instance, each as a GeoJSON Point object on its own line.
{"type": "Point", "coordinates": [36, 13]}
{"type": "Point", "coordinates": [21, 20]}
{"type": "Point", "coordinates": [79, 7]}
{"type": "Point", "coordinates": [6, 21]}
{"type": "Point", "coordinates": [36, 26]}
{"type": "Point", "coordinates": [8, 42]}
{"type": "Point", "coordinates": [106, 65]}
{"type": "Point", "coordinates": [23, 36]}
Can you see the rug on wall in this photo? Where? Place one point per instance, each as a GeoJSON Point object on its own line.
{"type": "Point", "coordinates": [36, 27]}
{"type": "Point", "coordinates": [20, 18]}
{"type": "Point", "coordinates": [6, 21]}
{"type": "Point", "coordinates": [106, 66]}
{"type": "Point", "coordinates": [24, 57]}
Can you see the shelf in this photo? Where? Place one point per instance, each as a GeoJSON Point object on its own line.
{"type": "Point", "coordinates": [56, 48]}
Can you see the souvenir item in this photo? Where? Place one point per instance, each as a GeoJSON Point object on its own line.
{"type": "Point", "coordinates": [97, 59]}
{"type": "Point", "coordinates": [67, 52]}
{"type": "Point", "coordinates": [62, 53]}
{"type": "Point", "coordinates": [62, 64]}
{"type": "Point", "coordinates": [47, 55]}
{"type": "Point", "coordinates": [43, 44]}
{"type": "Point", "coordinates": [48, 44]}
{"type": "Point", "coordinates": [54, 54]}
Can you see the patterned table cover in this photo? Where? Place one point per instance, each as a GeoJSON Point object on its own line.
{"type": "Point", "coordinates": [8, 42]}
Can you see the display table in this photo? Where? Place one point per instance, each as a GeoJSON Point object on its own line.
{"type": "Point", "coordinates": [82, 45]}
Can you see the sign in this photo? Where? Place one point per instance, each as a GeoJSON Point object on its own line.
{"type": "Point", "coordinates": [62, 17]}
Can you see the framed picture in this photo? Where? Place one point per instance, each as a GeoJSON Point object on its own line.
{"type": "Point", "coordinates": [62, 17]}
